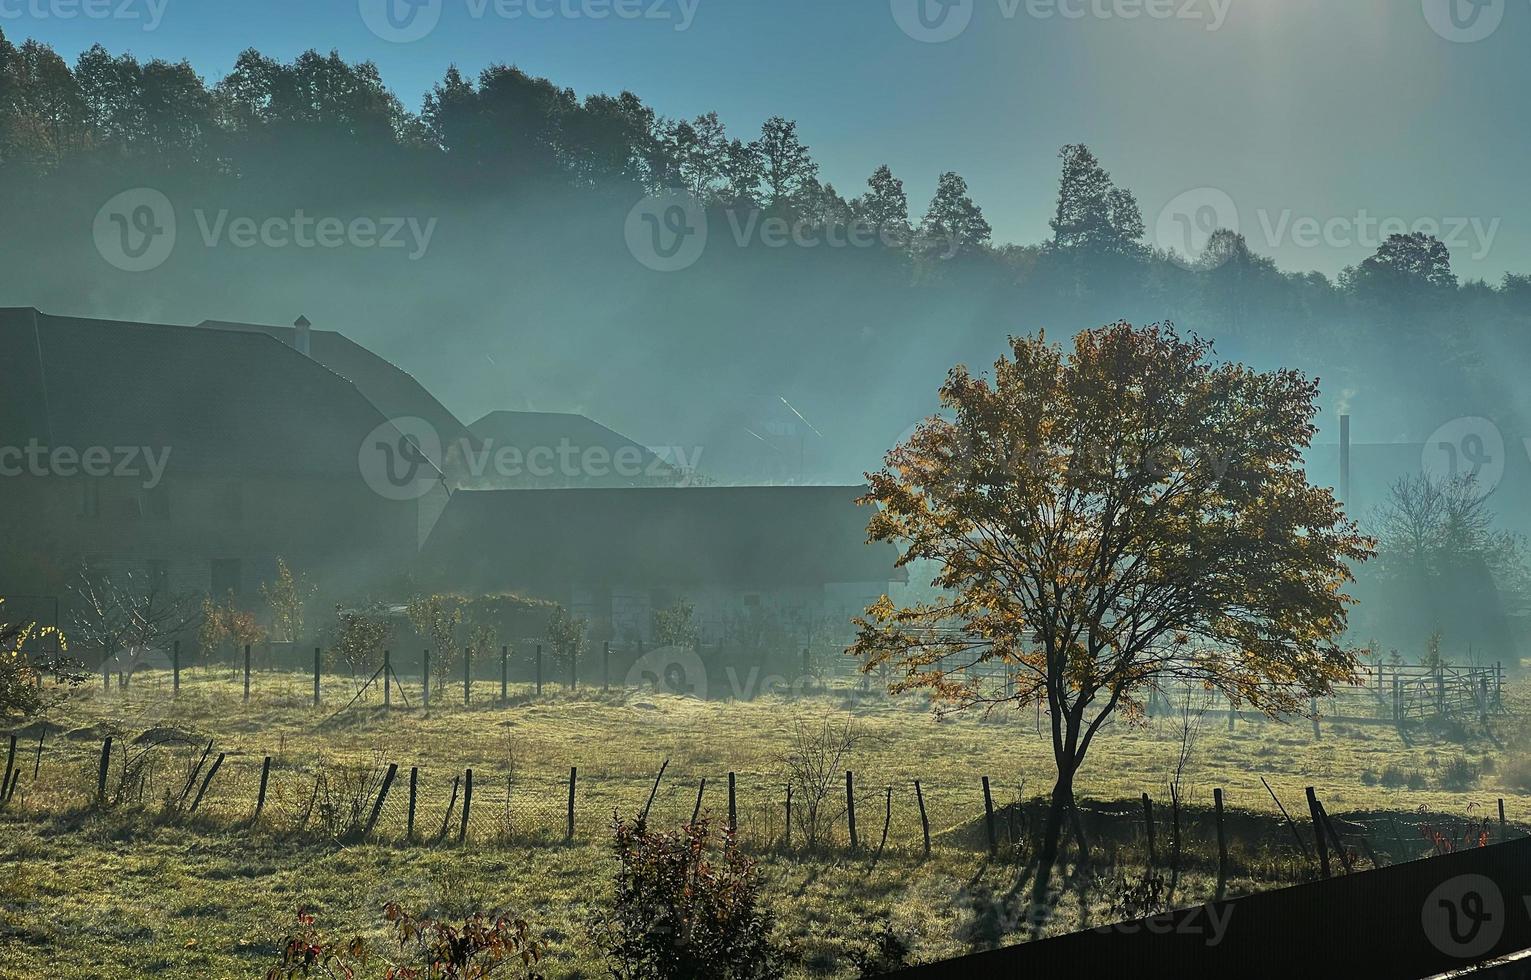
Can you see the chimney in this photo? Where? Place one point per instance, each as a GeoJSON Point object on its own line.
{"type": "Point", "coordinates": [1345, 460]}
{"type": "Point", "coordinates": [300, 335]}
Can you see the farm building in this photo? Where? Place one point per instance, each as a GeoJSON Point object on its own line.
{"type": "Point", "coordinates": [394, 391]}
{"type": "Point", "coordinates": [795, 555]}
{"type": "Point", "coordinates": [196, 457]}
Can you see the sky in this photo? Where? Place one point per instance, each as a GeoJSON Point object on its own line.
{"type": "Point", "coordinates": [1315, 127]}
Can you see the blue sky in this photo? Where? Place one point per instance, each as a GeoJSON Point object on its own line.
{"type": "Point", "coordinates": [1313, 120]}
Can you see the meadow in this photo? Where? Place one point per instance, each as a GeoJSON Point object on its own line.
{"type": "Point", "coordinates": [141, 885]}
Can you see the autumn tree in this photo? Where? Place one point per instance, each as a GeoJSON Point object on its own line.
{"type": "Point", "coordinates": [287, 596]}
{"type": "Point", "coordinates": [28, 650]}
{"type": "Point", "coordinates": [1106, 520]}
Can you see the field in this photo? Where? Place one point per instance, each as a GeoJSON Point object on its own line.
{"type": "Point", "coordinates": [137, 889]}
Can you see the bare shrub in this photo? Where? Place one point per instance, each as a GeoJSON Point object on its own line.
{"type": "Point", "coordinates": [814, 764]}
{"type": "Point", "coordinates": [344, 794]}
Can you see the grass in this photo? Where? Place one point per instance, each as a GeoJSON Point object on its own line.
{"type": "Point", "coordinates": [137, 888]}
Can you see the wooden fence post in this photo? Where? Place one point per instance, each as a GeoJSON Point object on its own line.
{"type": "Point", "coordinates": [206, 781]}
{"type": "Point", "coordinates": [696, 811]}
{"type": "Point", "coordinates": [988, 815]}
{"type": "Point", "coordinates": [573, 780]}
{"type": "Point", "coordinates": [850, 806]}
{"type": "Point", "coordinates": [1148, 821]}
{"type": "Point", "coordinates": [106, 761]}
{"type": "Point", "coordinates": [539, 670]}
{"type": "Point", "coordinates": [318, 657]}
{"type": "Point", "coordinates": [733, 810]}
{"type": "Point", "coordinates": [644, 817]}
{"type": "Point", "coordinates": [919, 796]}
{"type": "Point", "coordinates": [382, 794]}
{"type": "Point", "coordinates": [467, 804]}
{"type": "Point", "coordinates": [10, 759]}
{"type": "Point", "coordinates": [247, 673]}
{"type": "Point", "coordinates": [504, 674]}
{"type": "Point", "coordinates": [387, 680]}
{"type": "Point", "coordinates": [260, 797]}
{"type": "Point", "coordinates": [1504, 830]}
{"type": "Point", "coordinates": [175, 667]}
{"type": "Point", "coordinates": [1318, 833]}
{"type": "Point", "coordinates": [467, 678]}
{"type": "Point", "coordinates": [446, 821]}
{"type": "Point", "coordinates": [606, 665]}
{"type": "Point", "coordinates": [1222, 839]}
{"type": "Point", "coordinates": [1397, 701]}
{"type": "Point", "coordinates": [425, 678]}
{"type": "Point", "coordinates": [414, 782]}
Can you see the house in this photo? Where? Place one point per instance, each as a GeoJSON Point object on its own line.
{"type": "Point", "coordinates": [796, 555]}
{"type": "Point", "coordinates": [553, 450]}
{"type": "Point", "coordinates": [197, 457]}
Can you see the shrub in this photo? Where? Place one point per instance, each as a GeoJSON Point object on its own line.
{"type": "Point", "coordinates": [685, 909]}
{"type": "Point", "coordinates": [1393, 776]}
{"type": "Point", "coordinates": [1416, 781]}
{"type": "Point", "coordinates": [1458, 775]}
{"type": "Point", "coordinates": [429, 948]}
{"type": "Point", "coordinates": [885, 953]}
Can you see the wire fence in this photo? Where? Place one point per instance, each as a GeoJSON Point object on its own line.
{"type": "Point", "coordinates": [321, 797]}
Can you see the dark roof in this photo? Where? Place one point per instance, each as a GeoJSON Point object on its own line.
{"type": "Point", "coordinates": [526, 431]}
{"type": "Point", "coordinates": [655, 537]}
{"type": "Point", "coordinates": [222, 400]}
{"type": "Point", "coordinates": [393, 390]}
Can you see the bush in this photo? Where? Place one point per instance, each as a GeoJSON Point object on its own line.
{"type": "Point", "coordinates": [1458, 775]}
{"type": "Point", "coordinates": [685, 909]}
{"type": "Point", "coordinates": [1393, 776]}
{"type": "Point", "coordinates": [428, 948]}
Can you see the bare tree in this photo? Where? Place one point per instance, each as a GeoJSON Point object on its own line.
{"type": "Point", "coordinates": [128, 616]}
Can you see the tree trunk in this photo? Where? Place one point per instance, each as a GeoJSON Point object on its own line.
{"type": "Point", "coordinates": [1052, 835]}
